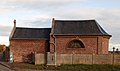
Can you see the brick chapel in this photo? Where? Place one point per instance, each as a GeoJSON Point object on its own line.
{"type": "Point", "coordinates": [64, 37]}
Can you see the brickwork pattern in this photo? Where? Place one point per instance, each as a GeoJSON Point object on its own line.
{"type": "Point", "coordinates": [23, 49]}
{"type": "Point", "coordinates": [93, 45]}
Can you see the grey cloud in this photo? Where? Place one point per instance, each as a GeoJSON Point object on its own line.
{"type": "Point", "coordinates": [78, 13]}
{"type": "Point", "coordinates": [36, 4]}
{"type": "Point", "coordinates": [5, 30]}
{"type": "Point", "coordinates": [26, 6]}
{"type": "Point", "coordinates": [36, 22]}
{"type": "Point", "coordinates": [40, 23]}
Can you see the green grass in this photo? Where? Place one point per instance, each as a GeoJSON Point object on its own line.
{"type": "Point", "coordinates": [74, 67]}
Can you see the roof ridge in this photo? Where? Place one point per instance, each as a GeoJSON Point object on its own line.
{"type": "Point", "coordinates": [76, 20]}
{"type": "Point", "coordinates": [31, 28]}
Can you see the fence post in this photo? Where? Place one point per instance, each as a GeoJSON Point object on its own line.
{"type": "Point", "coordinates": [33, 57]}
{"type": "Point", "coordinates": [72, 57]}
{"type": "Point", "coordinates": [113, 55]}
{"type": "Point", "coordinates": [48, 58]}
{"type": "Point", "coordinates": [93, 58]}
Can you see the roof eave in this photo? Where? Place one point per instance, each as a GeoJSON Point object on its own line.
{"type": "Point", "coordinates": [29, 39]}
{"type": "Point", "coordinates": [79, 35]}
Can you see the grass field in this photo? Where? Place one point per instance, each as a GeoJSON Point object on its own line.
{"type": "Point", "coordinates": [75, 67]}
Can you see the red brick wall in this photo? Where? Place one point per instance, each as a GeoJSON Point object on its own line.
{"type": "Point", "coordinates": [22, 49]}
{"type": "Point", "coordinates": [93, 44]}
{"type": "Point", "coordinates": [105, 45]}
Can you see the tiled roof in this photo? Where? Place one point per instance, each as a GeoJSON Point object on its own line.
{"type": "Point", "coordinates": [31, 33]}
{"type": "Point", "coordinates": [78, 27]}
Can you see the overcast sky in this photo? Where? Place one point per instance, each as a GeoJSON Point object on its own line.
{"type": "Point", "coordinates": [38, 13]}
